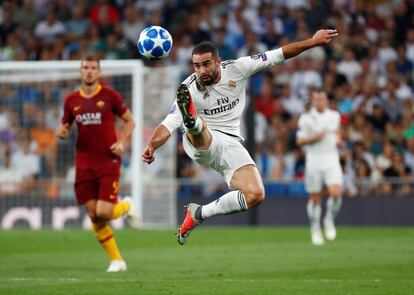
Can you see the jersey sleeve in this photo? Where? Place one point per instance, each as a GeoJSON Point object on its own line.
{"type": "Point", "coordinates": [303, 129]}
{"type": "Point", "coordinates": [174, 119]}
{"type": "Point", "coordinates": [250, 65]}
{"type": "Point", "coordinates": [67, 117]}
{"type": "Point", "coordinates": [118, 104]}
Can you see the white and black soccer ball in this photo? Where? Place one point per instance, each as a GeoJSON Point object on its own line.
{"type": "Point", "coordinates": [155, 43]}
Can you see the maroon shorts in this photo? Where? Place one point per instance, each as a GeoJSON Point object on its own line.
{"type": "Point", "coordinates": [97, 183]}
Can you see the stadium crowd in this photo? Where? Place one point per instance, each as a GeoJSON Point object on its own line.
{"type": "Point", "coordinates": [368, 73]}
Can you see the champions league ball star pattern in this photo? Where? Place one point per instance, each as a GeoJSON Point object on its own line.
{"type": "Point", "coordinates": [154, 43]}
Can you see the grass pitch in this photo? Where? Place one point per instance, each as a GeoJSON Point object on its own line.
{"type": "Point", "coordinates": [251, 261]}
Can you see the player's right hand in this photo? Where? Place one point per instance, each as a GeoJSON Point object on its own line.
{"type": "Point", "coordinates": [148, 154]}
{"type": "Point", "coordinates": [62, 131]}
{"type": "Point", "coordinates": [324, 36]}
{"type": "Point", "coordinates": [319, 135]}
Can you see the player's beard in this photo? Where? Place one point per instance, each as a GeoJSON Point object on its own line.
{"type": "Point", "coordinates": [89, 82]}
{"type": "Point", "coordinates": [212, 80]}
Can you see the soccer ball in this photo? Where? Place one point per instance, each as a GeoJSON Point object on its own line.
{"type": "Point", "coordinates": [155, 43]}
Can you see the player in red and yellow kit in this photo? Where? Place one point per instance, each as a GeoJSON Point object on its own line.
{"type": "Point", "coordinates": [94, 108]}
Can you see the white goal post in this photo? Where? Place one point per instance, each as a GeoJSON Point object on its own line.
{"type": "Point", "coordinates": [149, 92]}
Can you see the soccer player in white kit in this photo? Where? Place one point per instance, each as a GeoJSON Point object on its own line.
{"type": "Point", "coordinates": [210, 103]}
{"type": "Point", "coordinates": [319, 134]}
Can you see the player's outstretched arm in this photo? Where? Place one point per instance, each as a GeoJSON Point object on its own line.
{"type": "Point", "coordinates": [62, 131]}
{"type": "Point", "coordinates": [158, 138]}
{"type": "Point", "coordinates": [321, 37]}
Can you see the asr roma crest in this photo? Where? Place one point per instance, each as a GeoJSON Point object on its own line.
{"type": "Point", "coordinates": [232, 84]}
{"type": "Point", "coordinates": [100, 104]}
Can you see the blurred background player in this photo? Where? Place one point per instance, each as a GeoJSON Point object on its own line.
{"type": "Point", "coordinates": [210, 103]}
{"type": "Point", "coordinates": [94, 109]}
{"type": "Point", "coordinates": [319, 134]}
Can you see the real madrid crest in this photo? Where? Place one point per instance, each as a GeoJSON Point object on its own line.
{"type": "Point", "coordinates": [100, 104]}
{"type": "Point", "coordinates": [232, 84]}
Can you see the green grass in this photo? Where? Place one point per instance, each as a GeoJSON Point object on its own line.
{"type": "Point", "coordinates": [215, 261]}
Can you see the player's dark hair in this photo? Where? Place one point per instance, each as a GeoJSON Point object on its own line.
{"type": "Point", "coordinates": [91, 57]}
{"type": "Point", "coordinates": [206, 47]}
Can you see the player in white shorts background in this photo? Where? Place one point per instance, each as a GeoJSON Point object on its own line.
{"type": "Point", "coordinates": [318, 133]}
{"type": "Point", "coordinates": [210, 103]}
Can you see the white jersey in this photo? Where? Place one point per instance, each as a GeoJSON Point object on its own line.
{"type": "Point", "coordinates": [313, 122]}
{"type": "Point", "coordinates": [221, 105]}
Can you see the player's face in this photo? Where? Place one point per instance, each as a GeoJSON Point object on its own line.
{"type": "Point", "coordinates": [89, 72]}
{"type": "Point", "coordinates": [320, 101]}
{"type": "Point", "coordinates": [207, 68]}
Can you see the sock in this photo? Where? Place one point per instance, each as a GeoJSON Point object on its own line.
{"type": "Point", "coordinates": [198, 126]}
{"type": "Point", "coordinates": [104, 234]}
{"type": "Point", "coordinates": [333, 205]}
{"type": "Point", "coordinates": [314, 214]}
{"type": "Point", "coordinates": [229, 203]}
{"type": "Point", "coordinates": [120, 209]}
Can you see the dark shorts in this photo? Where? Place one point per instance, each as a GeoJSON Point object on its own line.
{"type": "Point", "coordinates": [97, 183]}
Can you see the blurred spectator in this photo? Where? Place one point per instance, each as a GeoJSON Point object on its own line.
{"type": "Point", "coordinates": [11, 179]}
{"type": "Point", "coordinates": [409, 154]}
{"type": "Point", "coordinates": [50, 28]}
{"type": "Point", "coordinates": [26, 17]}
{"type": "Point", "coordinates": [368, 71]}
{"type": "Point", "coordinates": [104, 14]}
{"type": "Point", "coordinates": [113, 49]}
{"type": "Point", "coordinates": [25, 161]}
{"type": "Point", "coordinates": [281, 163]}
{"type": "Point", "coordinates": [196, 33]}
{"type": "Point", "coordinates": [292, 104]}
{"type": "Point", "coordinates": [349, 66]}
{"type": "Point", "coordinates": [225, 51]}
{"type": "Point", "coordinates": [398, 170]}
{"type": "Point", "coordinates": [410, 45]}
{"type": "Point", "coordinates": [7, 24]}
{"type": "Point", "coordinates": [267, 103]}
{"type": "Point", "coordinates": [304, 78]}
{"type": "Point", "coordinates": [96, 41]}
{"type": "Point", "coordinates": [252, 46]}
{"type": "Point", "coordinates": [378, 118]}
{"type": "Point", "coordinates": [384, 160]}
{"type": "Point", "coordinates": [45, 142]}
{"type": "Point", "coordinates": [132, 24]}
{"type": "Point", "coordinates": [78, 24]}
{"type": "Point", "coordinates": [403, 64]}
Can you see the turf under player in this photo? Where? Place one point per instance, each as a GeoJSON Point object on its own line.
{"type": "Point", "coordinates": [319, 134]}
{"type": "Point", "coordinates": [210, 103]}
{"type": "Point", "coordinates": [94, 108]}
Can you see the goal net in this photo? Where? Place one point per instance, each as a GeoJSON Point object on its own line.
{"type": "Point", "coordinates": [37, 170]}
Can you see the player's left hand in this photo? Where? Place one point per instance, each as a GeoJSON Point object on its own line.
{"type": "Point", "coordinates": [117, 148]}
{"type": "Point", "coordinates": [324, 36]}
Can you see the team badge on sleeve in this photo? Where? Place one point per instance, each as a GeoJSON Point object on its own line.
{"type": "Point", "coordinates": [263, 56]}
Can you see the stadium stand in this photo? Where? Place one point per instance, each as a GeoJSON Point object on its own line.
{"type": "Point", "coordinates": [368, 73]}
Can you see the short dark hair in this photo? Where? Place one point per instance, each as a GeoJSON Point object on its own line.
{"type": "Point", "coordinates": [91, 57]}
{"type": "Point", "coordinates": [206, 47]}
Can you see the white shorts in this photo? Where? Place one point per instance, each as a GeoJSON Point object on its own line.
{"type": "Point", "coordinates": [318, 173]}
{"type": "Point", "coordinates": [225, 155]}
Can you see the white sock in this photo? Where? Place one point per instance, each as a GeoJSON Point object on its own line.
{"type": "Point", "coordinates": [198, 126]}
{"type": "Point", "coordinates": [314, 214]}
{"type": "Point", "coordinates": [333, 205]}
{"type": "Point", "coordinates": [229, 203]}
